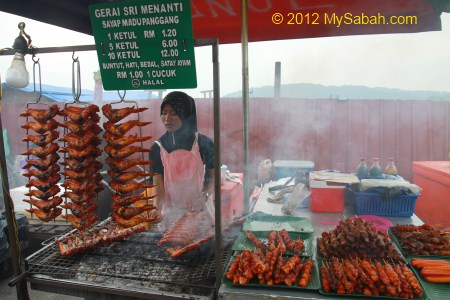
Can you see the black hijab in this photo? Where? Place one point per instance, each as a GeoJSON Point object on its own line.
{"type": "Point", "coordinates": [184, 106]}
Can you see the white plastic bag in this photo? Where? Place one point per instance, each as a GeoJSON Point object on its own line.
{"type": "Point", "coordinates": [298, 198]}
{"type": "Point", "coordinates": [265, 169]}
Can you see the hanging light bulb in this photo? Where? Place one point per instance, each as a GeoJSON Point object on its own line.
{"type": "Point", "coordinates": [17, 75]}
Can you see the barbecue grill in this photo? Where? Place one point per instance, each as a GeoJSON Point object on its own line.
{"type": "Point", "coordinates": [130, 269]}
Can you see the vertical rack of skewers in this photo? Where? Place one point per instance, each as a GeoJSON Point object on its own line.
{"type": "Point", "coordinates": [81, 149]}
{"type": "Point", "coordinates": [129, 179]}
{"type": "Point", "coordinates": [42, 171]}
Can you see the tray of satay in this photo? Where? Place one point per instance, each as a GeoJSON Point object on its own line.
{"type": "Point", "coordinates": [434, 275]}
{"type": "Point", "coordinates": [369, 278]}
{"type": "Point", "coordinates": [294, 242]}
{"type": "Point", "coordinates": [423, 240]}
{"type": "Point", "coordinates": [268, 223]}
{"type": "Point", "coordinates": [357, 238]}
{"type": "Point", "coordinates": [272, 269]}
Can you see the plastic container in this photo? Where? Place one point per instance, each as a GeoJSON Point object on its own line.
{"type": "Point", "coordinates": [326, 196]}
{"type": "Point", "coordinates": [434, 178]}
{"type": "Point", "coordinates": [375, 170]}
{"type": "Point", "coordinates": [362, 171]}
{"type": "Point", "coordinates": [289, 168]}
{"type": "Point", "coordinates": [391, 169]}
{"type": "Point", "coordinates": [223, 173]}
{"type": "Point", "coordinates": [374, 204]}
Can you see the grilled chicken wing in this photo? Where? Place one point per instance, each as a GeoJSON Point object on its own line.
{"type": "Point", "coordinates": [42, 115]}
{"type": "Point", "coordinates": [127, 200]}
{"type": "Point", "coordinates": [78, 210]}
{"type": "Point", "coordinates": [44, 195]}
{"type": "Point", "coordinates": [44, 185]}
{"type": "Point", "coordinates": [81, 154]}
{"type": "Point", "coordinates": [114, 115]}
{"type": "Point", "coordinates": [45, 216]}
{"type": "Point", "coordinates": [79, 166]}
{"type": "Point", "coordinates": [127, 176]}
{"type": "Point", "coordinates": [83, 222]}
{"type": "Point", "coordinates": [121, 165]}
{"type": "Point", "coordinates": [82, 114]}
{"type": "Point", "coordinates": [120, 130]}
{"type": "Point", "coordinates": [124, 152]}
{"type": "Point", "coordinates": [79, 187]}
{"type": "Point", "coordinates": [79, 198]}
{"type": "Point", "coordinates": [79, 176]}
{"type": "Point", "coordinates": [76, 128]}
{"type": "Point", "coordinates": [130, 211]}
{"type": "Point", "coordinates": [133, 221]}
{"type": "Point", "coordinates": [42, 164]}
{"type": "Point", "coordinates": [45, 205]}
{"type": "Point", "coordinates": [119, 142]}
{"type": "Point", "coordinates": [41, 127]}
{"type": "Point", "coordinates": [81, 141]}
{"type": "Point", "coordinates": [125, 188]}
{"type": "Point", "coordinates": [42, 175]}
{"type": "Point", "coordinates": [42, 140]}
{"type": "Point", "coordinates": [42, 152]}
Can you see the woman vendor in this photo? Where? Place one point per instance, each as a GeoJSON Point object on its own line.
{"type": "Point", "coordinates": [183, 159]}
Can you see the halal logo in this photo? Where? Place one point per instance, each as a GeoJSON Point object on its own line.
{"type": "Point", "coordinates": [135, 83]}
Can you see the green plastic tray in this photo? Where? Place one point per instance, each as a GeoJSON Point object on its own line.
{"type": "Point", "coordinates": [268, 223]}
{"type": "Point", "coordinates": [435, 291]}
{"type": "Point", "coordinates": [242, 242]}
{"type": "Point", "coordinates": [319, 265]}
{"type": "Point", "coordinates": [407, 254]}
{"type": "Point", "coordinates": [314, 283]}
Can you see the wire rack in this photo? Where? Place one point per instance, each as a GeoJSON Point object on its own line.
{"type": "Point", "coordinates": [133, 263]}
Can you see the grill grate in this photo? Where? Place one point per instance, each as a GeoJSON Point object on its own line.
{"type": "Point", "coordinates": [136, 263]}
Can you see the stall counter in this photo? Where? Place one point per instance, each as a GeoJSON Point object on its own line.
{"type": "Point", "coordinates": [320, 222]}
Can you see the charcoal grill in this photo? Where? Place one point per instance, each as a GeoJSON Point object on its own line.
{"type": "Point", "coordinates": [130, 269]}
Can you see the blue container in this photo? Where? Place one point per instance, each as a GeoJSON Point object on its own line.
{"type": "Point", "coordinates": [289, 168]}
{"type": "Point", "coordinates": [374, 204]}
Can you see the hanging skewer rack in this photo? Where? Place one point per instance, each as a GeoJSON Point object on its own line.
{"type": "Point", "coordinates": [45, 284]}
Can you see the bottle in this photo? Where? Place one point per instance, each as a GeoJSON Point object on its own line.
{"type": "Point", "coordinates": [375, 170]}
{"type": "Point", "coordinates": [391, 169]}
{"type": "Point", "coordinates": [362, 171]}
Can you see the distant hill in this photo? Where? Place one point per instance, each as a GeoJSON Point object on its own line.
{"type": "Point", "coordinates": [345, 92]}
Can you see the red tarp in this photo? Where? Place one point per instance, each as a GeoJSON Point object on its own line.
{"type": "Point", "coordinates": [222, 18]}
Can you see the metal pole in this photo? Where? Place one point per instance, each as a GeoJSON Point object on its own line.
{"type": "Point", "coordinates": [277, 88]}
{"type": "Point", "coordinates": [245, 102]}
{"type": "Point", "coordinates": [16, 255]}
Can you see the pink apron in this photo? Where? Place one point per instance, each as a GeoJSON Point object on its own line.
{"type": "Point", "coordinates": [183, 179]}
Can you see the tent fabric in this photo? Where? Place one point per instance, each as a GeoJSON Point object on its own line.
{"type": "Point", "coordinates": [222, 18]}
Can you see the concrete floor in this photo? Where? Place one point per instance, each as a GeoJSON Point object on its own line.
{"type": "Point", "coordinates": [10, 293]}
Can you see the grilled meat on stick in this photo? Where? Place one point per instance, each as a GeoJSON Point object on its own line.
{"type": "Point", "coordinates": [78, 166]}
{"type": "Point", "coordinates": [125, 151]}
{"type": "Point", "coordinates": [82, 114]}
{"type": "Point", "coordinates": [121, 129]}
{"type": "Point", "coordinates": [76, 128]}
{"type": "Point", "coordinates": [42, 115]}
{"type": "Point", "coordinates": [79, 210]}
{"type": "Point", "coordinates": [42, 152]}
{"type": "Point", "coordinates": [115, 115]}
{"type": "Point", "coordinates": [44, 185]}
{"type": "Point", "coordinates": [42, 140]}
{"type": "Point", "coordinates": [42, 175]}
{"type": "Point", "coordinates": [127, 200]}
{"type": "Point", "coordinates": [45, 216]}
{"type": "Point", "coordinates": [41, 127]}
{"type": "Point", "coordinates": [42, 164]}
{"type": "Point", "coordinates": [129, 212]}
{"type": "Point", "coordinates": [45, 205]}
{"type": "Point", "coordinates": [44, 195]}
{"type": "Point", "coordinates": [81, 141]}
{"type": "Point", "coordinates": [127, 176]}
{"type": "Point", "coordinates": [125, 188]}
{"type": "Point", "coordinates": [119, 142]}
{"type": "Point", "coordinates": [121, 165]}
{"type": "Point", "coordinates": [81, 223]}
{"type": "Point", "coordinates": [80, 154]}
{"type": "Point", "coordinates": [251, 236]}
{"type": "Point", "coordinates": [133, 221]}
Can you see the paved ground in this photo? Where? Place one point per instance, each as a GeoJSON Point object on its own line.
{"type": "Point", "coordinates": [8, 293]}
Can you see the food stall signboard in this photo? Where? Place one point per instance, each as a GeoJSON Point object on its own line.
{"type": "Point", "coordinates": [144, 44]}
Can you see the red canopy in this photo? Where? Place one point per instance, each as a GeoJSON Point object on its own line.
{"type": "Point", "coordinates": [311, 18]}
{"type": "Point", "coordinates": [222, 18]}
